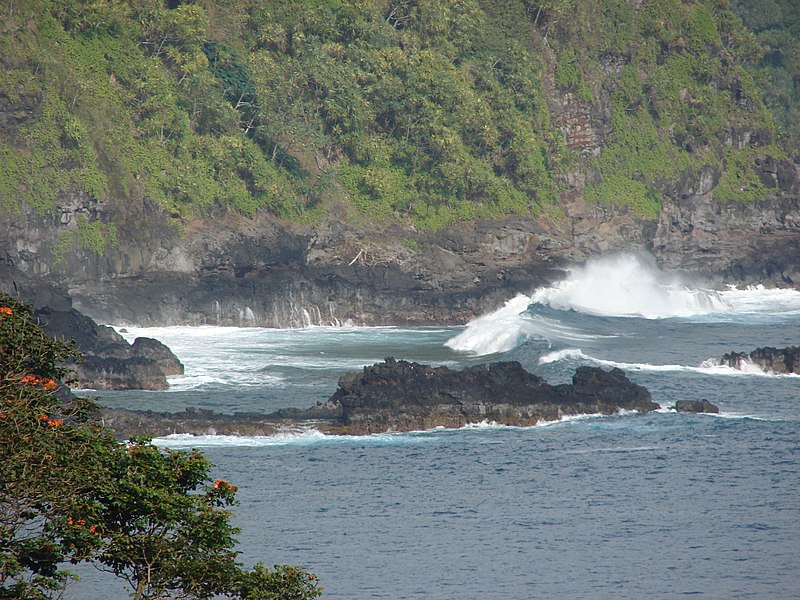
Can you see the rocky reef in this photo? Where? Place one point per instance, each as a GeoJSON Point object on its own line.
{"type": "Point", "coordinates": [109, 361]}
{"type": "Point", "coordinates": [397, 395]}
{"type": "Point", "coordinates": [772, 360]}
{"type": "Point", "coordinates": [403, 396]}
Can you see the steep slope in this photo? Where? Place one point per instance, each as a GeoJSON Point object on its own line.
{"type": "Point", "coordinates": [404, 161]}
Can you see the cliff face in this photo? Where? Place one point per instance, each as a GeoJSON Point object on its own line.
{"type": "Point", "coordinates": [375, 197]}
{"type": "Point", "coordinates": [263, 271]}
{"type": "Point", "coordinates": [269, 273]}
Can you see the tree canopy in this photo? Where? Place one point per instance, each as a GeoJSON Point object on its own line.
{"type": "Point", "coordinates": [70, 493]}
{"type": "Point", "coordinates": [417, 111]}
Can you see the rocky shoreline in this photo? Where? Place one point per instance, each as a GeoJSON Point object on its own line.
{"type": "Point", "coordinates": [397, 395]}
{"type": "Point", "coordinates": [263, 271]}
{"type": "Point", "coordinates": [779, 361]}
{"type": "Point", "coordinates": [109, 362]}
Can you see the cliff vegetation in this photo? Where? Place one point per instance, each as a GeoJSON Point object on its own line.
{"type": "Point", "coordinates": [422, 112]}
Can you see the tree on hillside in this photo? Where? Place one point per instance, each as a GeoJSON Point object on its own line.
{"type": "Point", "coordinates": [70, 493]}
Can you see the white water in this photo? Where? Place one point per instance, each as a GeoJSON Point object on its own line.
{"type": "Point", "coordinates": [708, 367]}
{"type": "Point", "coordinates": [628, 285]}
{"type": "Point", "coordinates": [617, 286]}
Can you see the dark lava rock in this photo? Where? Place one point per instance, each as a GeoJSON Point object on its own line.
{"type": "Point", "coordinates": [406, 396]}
{"type": "Point", "coordinates": [135, 373]}
{"type": "Point", "coordinates": [159, 353]}
{"type": "Point", "coordinates": [696, 406]}
{"type": "Point", "coordinates": [771, 360]}
{"type": "Point", "coordinates": [110, 362]}
{"type": "Point", "coordinates": [128, 423]}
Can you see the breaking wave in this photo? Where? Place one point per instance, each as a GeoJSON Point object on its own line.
{"type": "Point", "coordinates": [628, 286]}
{"type": "Point", "coordinates": [709, 367]}
{"type": "Point", "coordinates": [619, 286]}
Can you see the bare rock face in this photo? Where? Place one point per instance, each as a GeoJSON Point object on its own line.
{"type": "Point", "coordinates": [406, 396]}
{"type": "Point", "coordinates": [772, 360]}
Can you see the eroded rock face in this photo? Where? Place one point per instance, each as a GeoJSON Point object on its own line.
{"type": "Point", "coordinates": [772, 360]}
{"type": "Point", "coordinates": [405, 396]}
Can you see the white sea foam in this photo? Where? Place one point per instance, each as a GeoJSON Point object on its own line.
{"type": "Point", "coordinates": [758, 300]}
{"type": "Point", "coordinates": [709, 367]}
{"type": "Point", "coordinates": [498, 331]}
{"type": "Point", "coordinates": [505, 328]}
{"type": "Point", "coordinates": [628, 285]}
{"type": "Point", "coordinates": [186, 440]}
{"type": "Point", "coordinates": [304, 437]}
{"type": "Point", "coordinates": [622, 285]}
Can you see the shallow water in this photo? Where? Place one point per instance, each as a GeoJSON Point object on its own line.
{"type": "Point", "coordinates": [662, 505]}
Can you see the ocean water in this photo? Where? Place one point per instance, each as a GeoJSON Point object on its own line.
{"type": "Point", "coordinates": [659, 505]}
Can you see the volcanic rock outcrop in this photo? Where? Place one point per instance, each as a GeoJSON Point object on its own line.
{"type": "Point", "coordinates": [397, 395]}
{"type": "Point", "coordinates": [772, 360]}
{"type": "Point", "coordinates": [109, 361]}
{"type": "Point", "coordinates": [404, 396]}
{"type": "Point", "coordinates": [696, 406]}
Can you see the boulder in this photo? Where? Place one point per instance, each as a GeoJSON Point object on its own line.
{"type": "Point", "coordinates": [158, 352]}
{"type": "Point", "coordinates": [696, 406]}
{"type": "Point", "coordinates": [101, 373]}
{"type": "Point", "coordinates": [110, 362]}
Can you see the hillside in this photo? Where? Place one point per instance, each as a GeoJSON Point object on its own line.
{"type": "Point", "coordinates": [195, 142]}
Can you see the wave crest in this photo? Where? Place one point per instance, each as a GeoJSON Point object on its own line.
{"type": "Point", "coordinates": [628, 286]}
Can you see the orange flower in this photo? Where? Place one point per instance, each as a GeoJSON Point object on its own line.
{"type": "Point", "coordinates": [31, 380]}
{"type": "Point", "coordinates": [221, 484]}
{"type": "Point", "coordinates": [50, 385]}
{"type": "Point", "coordinates": [54, 423]}
{"type": "Point", "coordinates": [44, 418]}
{"type": "Point", "coordinates": [4, 310]}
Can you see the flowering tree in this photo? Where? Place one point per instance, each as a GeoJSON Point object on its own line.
{"type": "Point", "coordinates": [69, 492]}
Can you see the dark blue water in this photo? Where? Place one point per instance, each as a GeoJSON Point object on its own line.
{"type": "Point", "coordinates": [660, 505]}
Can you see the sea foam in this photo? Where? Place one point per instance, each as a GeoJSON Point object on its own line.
{"type": "Point", "coordinates": [628, 285]}
{"type": "Point", "coordinates": [708, 367]}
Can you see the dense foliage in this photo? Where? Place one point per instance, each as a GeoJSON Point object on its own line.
{"type": "Point", "coordinates": [70, 493]}
{"type": "Point", "coordinates": [776, 24]}
{"type": "Point", "coordinates": [423, 111]}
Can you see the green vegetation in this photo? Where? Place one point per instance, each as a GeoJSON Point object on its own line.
{"type": "Point", "coordinates": [70, 493]}
{"type": "Point", "coordinates": [419, 111]}
{"type": "Point", "coordinates": [776, 24]}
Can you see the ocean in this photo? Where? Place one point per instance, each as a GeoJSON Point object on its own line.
{"type": "Point", "coordinates": [659, 505]}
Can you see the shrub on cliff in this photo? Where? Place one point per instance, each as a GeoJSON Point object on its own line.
{"type": "Point", "coordinates": [70, 493]}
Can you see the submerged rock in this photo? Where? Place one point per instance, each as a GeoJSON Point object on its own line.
{"type": "Point", "coordinates": [772, 360]}
{"type": "Point", "coordinates": [696, 406]}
